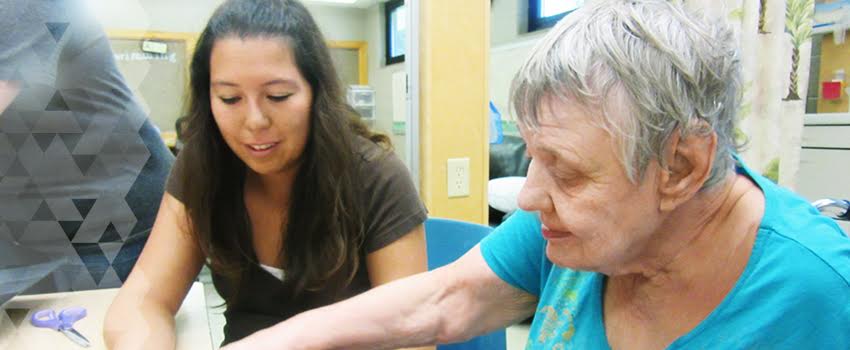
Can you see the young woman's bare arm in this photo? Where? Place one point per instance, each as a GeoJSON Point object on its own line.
{"type": "Point", "coordinates": [142, 315]}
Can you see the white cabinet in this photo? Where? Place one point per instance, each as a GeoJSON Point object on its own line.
{"type": "Point", "coordinates": [825, 158]}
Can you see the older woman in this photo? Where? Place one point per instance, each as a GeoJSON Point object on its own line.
{"type": "Point", "coordinates": [641, 230]}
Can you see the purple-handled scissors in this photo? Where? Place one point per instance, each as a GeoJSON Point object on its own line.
{"type": "Point", "coordinates": [64, 323]}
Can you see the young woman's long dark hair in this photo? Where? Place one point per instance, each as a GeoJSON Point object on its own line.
{"type": "Point", "coordinates": [325, 223]}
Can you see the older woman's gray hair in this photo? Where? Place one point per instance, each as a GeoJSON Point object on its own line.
{"type": "Point", "coordinates": [667, 68]}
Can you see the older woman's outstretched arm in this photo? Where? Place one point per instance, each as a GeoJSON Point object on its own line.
{"type": "Point", "coordinates": [450, 304]}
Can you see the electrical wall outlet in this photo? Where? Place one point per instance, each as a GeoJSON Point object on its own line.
{"type": "Point", "coordinates": [458, 177]}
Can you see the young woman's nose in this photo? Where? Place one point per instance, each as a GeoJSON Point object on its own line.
{"type": "Point", "coordinates": [256, 119]}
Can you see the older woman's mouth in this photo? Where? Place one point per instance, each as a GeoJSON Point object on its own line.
{"type": "Point", "coordinates": [551, 234]}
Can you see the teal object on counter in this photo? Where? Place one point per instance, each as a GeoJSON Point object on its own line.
{"type": "Point", "coordinates": [496, 134]}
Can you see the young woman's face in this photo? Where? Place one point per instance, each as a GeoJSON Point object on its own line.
{"type": "Point", "coordinates": [260, 102]}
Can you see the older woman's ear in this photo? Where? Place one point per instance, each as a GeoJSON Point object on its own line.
{"type": "Point", "coordinates": [689, 159]}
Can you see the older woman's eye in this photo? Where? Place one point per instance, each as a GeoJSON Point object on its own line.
{"type": "Point", "coordinates": [563, 172]}
{"type": "Point", "coordinates": [279, 98]}
{"type": "Point", "coordinates": [230, 100]}
{"type": "Point", "coordinates": [561, 175]}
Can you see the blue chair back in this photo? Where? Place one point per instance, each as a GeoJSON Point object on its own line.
{"type": "Point", "coordinates": [447, 240]}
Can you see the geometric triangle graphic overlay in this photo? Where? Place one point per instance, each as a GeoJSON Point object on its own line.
{"type": "Point", "coordinates": [44, 213]}
{"type": "Point", "coordinates": [57, 103]}
{"type": "Point", "coordinates": [43, 139]}
{"type": "Point", "coordinates": [17, 139]}
{"type": "Point", "coordinates": [84, 206]}
{"type": "Point", "coordinates": [93, 258]}
{"type": "Point", "coordinates": [17, 316]}
{"type": "Point", "coordinates": [111, 250]}
{"type": "Point", "coordinates": [17, 228]}
{"type": "Point", "coordinates": [70, 228]}
{"type": "Point", "coordinates": [71, 140]}
{"type": "Point", "coordinates": [17, 169]}
{"type": "Point", "coordinates": [57, 29]}
{"type": "Point", "coordinates": [84, 162]}
{"type": "Point", "coordinates": [110, 235]}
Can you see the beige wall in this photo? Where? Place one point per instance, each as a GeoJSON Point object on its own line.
{"type": "Point", "coordinates": [833, 57]}
{"type": "Point", "coordinates": [509, 22]}
{"type": "Point", "coordinates": [381, 79]}
{"type": "Point", "coordinates": [454, 69]}
{"type": "Point", "coordinates": [340, 23]}
{"type": "Point", "coordinates": [337, 23]}
{"type": "Point", "coordinates": [510, 46]}
{"type": "Point", "coordinates": [157, 15]}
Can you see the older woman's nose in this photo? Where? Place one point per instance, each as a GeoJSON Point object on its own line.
{"type": "Point", "coordinates": [533, 196]}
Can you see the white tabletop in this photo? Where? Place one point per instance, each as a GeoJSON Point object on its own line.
{"type": "Point", "coordinates": [17, 333]}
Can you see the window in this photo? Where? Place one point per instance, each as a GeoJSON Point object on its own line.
{"type": "Point", "coordinates": [396, 30]}
{"type": "Point", "coordinates": [545, 13]}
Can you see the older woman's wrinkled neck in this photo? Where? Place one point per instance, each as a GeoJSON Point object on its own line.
{"type": "Point", "coordinates": [702, 250]}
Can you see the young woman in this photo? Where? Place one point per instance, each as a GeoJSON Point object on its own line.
{"type": "Point", "coordinates": [280, 189]}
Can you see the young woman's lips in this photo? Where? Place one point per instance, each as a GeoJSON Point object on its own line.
{"type": "Point", "coordinates": [261, 149]}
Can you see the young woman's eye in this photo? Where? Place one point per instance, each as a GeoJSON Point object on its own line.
{"type": "Point", "coordinates": [279, 98]}
{"type": "Point", "coordinates": [230, 100]}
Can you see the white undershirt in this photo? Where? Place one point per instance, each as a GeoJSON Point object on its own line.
{"type": "Point", "coordinates": [274, 271]}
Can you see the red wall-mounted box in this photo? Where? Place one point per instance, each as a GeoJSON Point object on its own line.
{"type": "Point", "coordinates": [831, 90]}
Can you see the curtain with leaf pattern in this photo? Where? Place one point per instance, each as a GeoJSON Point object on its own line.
{"type": "Point", "coordinates": [775, 46]}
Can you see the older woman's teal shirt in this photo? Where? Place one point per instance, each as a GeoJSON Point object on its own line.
{"type": "Point", "coordinates": [793, 294]}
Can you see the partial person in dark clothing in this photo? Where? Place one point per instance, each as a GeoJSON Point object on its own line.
{"type": "Point", "coordinates": [291, 200]}
{"type": "Point", "coordinates": [81, 166]}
